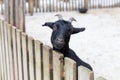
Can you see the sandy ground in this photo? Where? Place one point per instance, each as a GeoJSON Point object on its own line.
{"type": "Point", "coordinates": [98, 44]}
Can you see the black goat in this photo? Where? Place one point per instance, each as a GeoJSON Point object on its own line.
{"type": "Point", "coordinates": [62, 31]}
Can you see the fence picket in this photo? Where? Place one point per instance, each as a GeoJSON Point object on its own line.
{"type": "Point", "coordinates": [1, 58]}
{"type": "Point", "coordinates": [85, 74]}
{"type": "Point", "coordinates": [6, 50]}
{"type": "Point", "coordinates": [15, 52]}
{"type": "Point", "coordinates": [3, 51]}
{"type": "Point", "coordinates": [19, 46]}
{"type": "Point", "coordinates": [38, 60]}
{"type": "Point", "coordinates": [31, 58]}
{"type": "Point", "coordinates": [47, 52]}
{"type": "Point", "coordinates": [57, 66]}
{"type": "Point", "coordinates": [2, 12]}
{"type": "Point", "coordinates": [10, 52]}
{"type": "Point", "coordinates": [0, 70]}
{"type": "Point", "coordinates": [25, 57]}
{"type": "Point", "coordinates": [31, 7]}
{"type": "Point", "coordinates": [70, 69]}
{"type": "Point", "coordinates": [17, 13]}
{"type": "Point", "coordinates": [38, 5]}
{"type": "Point", "coordinates": [35, 5]}
{"type": "Point", "coordinates": [86, 4]}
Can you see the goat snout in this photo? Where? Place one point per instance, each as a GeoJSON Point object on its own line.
{"type": "Point", "coordinates": [60, 40]}
{"type": "Point", "coordinates": [59, 43]}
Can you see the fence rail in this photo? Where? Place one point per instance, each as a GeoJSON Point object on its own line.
{"type": "Point", "coordinates": [23, 58]}
{"type": "Point", "coordinates": [36, 6]}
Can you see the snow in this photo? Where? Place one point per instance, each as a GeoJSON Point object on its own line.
{"type": "Point", "coordinates": [98, 44]}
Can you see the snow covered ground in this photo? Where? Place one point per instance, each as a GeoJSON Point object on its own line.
{"type": "Point", "coordinates": [98, 44]}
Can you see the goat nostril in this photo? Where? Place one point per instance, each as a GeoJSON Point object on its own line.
{"type": "Point", "coordinates": [59, 40]}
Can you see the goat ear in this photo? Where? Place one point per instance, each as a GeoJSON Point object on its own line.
{"type": "Point", "coordinates": [49, 24]}
{"type": "Point", "coordinates": [77, 30]}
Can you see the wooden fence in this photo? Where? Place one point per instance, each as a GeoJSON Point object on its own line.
{"type": "Point", "coordinates": [23, 58]}
{"type": "Point", "coordinates": [64, 5]}
{"type": "Point", "coordinates": [68, 5]}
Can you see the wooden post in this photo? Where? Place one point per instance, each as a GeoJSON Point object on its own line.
{"type": "Point", "coordinates": [6, 13]}
{"type": "Point", "coordinates": [15, 13]}
{"type": "Point", "coordinates": [2, 12]}
{"type": "Point", "coordinates": [22, 15]}
{"type": "Point", "coordinates": [31, 7]}
{"type": "Point", "coordinates": [86, 4]}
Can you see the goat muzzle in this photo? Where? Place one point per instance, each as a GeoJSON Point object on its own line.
{"type": "Point", "coordinates": [59, 43]}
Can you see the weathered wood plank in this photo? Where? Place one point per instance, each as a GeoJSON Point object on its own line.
{"type": "Point", "coordinates": [10, 46]}
{"type": "Point", "coordinates": [0, 63]}
{"type": "Point", "coordinates": [57, 66]}
{"type": "Point", "coordinates": [25, 57]}
{"type": "Point", "coordinates": [43, 5]}
{"type": "Point", "coordinates": [6, 50]}
{"type": "Point", "coordinates": [40, 6]}
{"type": "Point", "coordinates": [11, 12]}
{"type": "Point", "coordinates": [56, 6]}
{"type": "Point", "coordinates": [0, 69]}
{"type": "Point", "coordinates": [37, 5]}
{"type": "Point", "coordinates": [46, 5]}
{"type": "Point", "coordinates": [70, 69]}
{"type": "Point", "coordinates": [85, 74]}
{"type": "Point", "coordinates": [31, 7]}
{"type": "Point", "coordinates": [31, 58]}
{"type": "Point", "coordinates": [22, 15]}
{"type": "Point", "coordinates": [86, 4]}
{"type": "Point", "coordinates": [1, 58]}
{"type": "Point", "coordinates": [16, 8]}
{"type": "Point", "coordinates": [47, 52]}
{"type": "Point", "coordinates": [3, 51]}
{"type": "Point", "coordinates": [53, 8]}
{"type": "Point", "coordinates": [38, 60]}
{"type": "Point", "coordinates": [15, 52]}
{"type": "Point", "coordinates": [6, 11]}
{"type": "Point", "coordinates": [2, 7]}
{"type": "Point", "coordinates": [19, 46]}
{"type": "Point", "coordinates": [0, 55]}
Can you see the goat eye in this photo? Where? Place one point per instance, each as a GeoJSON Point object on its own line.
{"type": "Point", "coordinates": [69, 30]}
{"type": "Point", "coordinates": [54, 27]}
